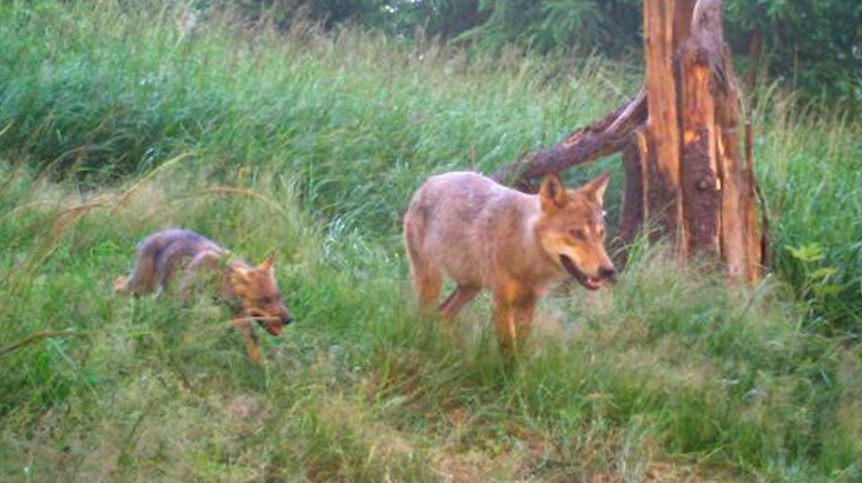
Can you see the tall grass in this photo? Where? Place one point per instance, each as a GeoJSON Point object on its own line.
{"type": "Point", "coordinates": [117, 90]}
{"type": "Point", "coordinates": [102, 90]}
{"type": "Point", "coordinates": [118, 119]}
{"type": "Point", "coordinates": [669, 372]}
{"type": "Point", "coordinates": [812, 171]}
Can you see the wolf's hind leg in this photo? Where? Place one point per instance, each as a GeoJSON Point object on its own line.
{"type": "Point", "coordinates": [142, 280]}
{"type": "Point", "coordinates": [460, 297]}
{"type": "Point", "coordinates": [428, 285]}
{"type": "Point", "coordinates": [427, 279]}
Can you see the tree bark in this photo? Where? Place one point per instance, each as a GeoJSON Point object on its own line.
{"type": "Point", "coordinates": [719, 113]}
{"type": "Point", "coordinates": [601, 138]}
{"type": "Point", "coordinates": [632, 216]}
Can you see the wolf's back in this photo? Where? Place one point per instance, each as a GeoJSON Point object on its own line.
{"type": "Point", "coordinates": [457, 221]}
{"type": "Point", "coordinates": [158, 256]}
{"type": "Point", "coordinates": [170, 247]}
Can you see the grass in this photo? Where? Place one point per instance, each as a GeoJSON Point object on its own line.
{"type": "Point", "coordinates": [116, 122]}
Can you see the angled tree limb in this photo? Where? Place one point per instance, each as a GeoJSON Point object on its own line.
{"type": "Point", "coordinates": [601, 138]}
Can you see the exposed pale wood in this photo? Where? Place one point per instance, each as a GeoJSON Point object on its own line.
{"type": "Point", "coordinates": [752, 208]}
{"type": "Point", "coordinates": [644, 150]}
{"type": "Point", "coordinates": [733, 246]}
{"type": "Point", "coordinates": [701, 186]}
{"type": "Point", "coordinates": [683, 10]}
{"type": "Point", "coordinates": [663, 124]}
{"type": "Point", "coordinates": [739, 234]}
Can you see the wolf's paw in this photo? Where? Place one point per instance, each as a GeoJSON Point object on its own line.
{"type": "Point", "coordinates": [121, 285]}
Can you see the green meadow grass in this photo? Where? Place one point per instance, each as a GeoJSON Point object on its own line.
{"type": "Point", "coordinates": [116, 121]}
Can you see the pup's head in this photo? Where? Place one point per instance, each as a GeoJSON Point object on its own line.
{"type": "Point", "coordinates": [257, 291]}
{"type": "Point", "coordinates": [571, 229]}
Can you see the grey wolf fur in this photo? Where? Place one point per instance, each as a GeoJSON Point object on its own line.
{"type": "Point", "coordinates": [483, 235]}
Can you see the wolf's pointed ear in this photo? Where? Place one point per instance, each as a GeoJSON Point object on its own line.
{"type": "Point", "coordinates": [552, 193]}
{"type": "Point", "coordinates": [596, 188]}
{"type": "Point", "coordinates": [268, 263]}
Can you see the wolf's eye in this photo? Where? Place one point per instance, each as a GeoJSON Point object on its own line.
{"type": "Point", "coordinates": [577, 233]}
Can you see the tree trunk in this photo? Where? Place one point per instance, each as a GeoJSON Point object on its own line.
{"type": "Point", "coordinates": [682, 143]}
{"type": "Point", "coordinates": [718, 212]}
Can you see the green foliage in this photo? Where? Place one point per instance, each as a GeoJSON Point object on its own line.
{"type": "Point", "coordinates": [322, 138]}
{"type": "Point", "coordinates": [607, 26]}
{"type": "Point", "coordinates": [810, 169]}
{"type": "Point", "coordinates": [669, 366]}
{"type": "Point", "coordinates": [815, 45]}
{"type": "Point", "coordinates": [811, 45]}
{"type": "Point", "coordinates": [286, 13]}
{"type": "Point", "coordinates": [446, 19]}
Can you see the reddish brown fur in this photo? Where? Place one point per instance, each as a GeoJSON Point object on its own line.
{"type": "Point", "coordinates": [251, 291]}
{"type": "Point", "coordinates": [257, 291]}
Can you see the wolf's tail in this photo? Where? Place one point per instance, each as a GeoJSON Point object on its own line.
{"type": "Point", "coordinates": [121, 285]}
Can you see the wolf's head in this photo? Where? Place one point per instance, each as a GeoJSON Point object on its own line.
{"type": "Point", "coordinates": [257, 291]}
{"type": "Point", "coordinates": [571, 229]}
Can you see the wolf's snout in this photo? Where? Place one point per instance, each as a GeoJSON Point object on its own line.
{"type": "Point", "coordinates": [608, 273]}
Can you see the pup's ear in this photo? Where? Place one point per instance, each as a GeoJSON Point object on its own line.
{"type": "Point", "coordinates": [595, 189]}
{"type": "Point", "coordinates": [552, 193]}
{"type": "Point", "coordinates": [268, 263]}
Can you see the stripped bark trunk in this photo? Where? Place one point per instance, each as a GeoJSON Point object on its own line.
{"type": "Point", "coordinates": [718, 115]}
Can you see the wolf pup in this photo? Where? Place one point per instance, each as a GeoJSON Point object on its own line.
{"type": "Point", "coordinates": [484, 235]}
{"type": "Point", "coordinates": [251, 292]}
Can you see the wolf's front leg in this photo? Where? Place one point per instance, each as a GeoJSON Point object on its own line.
{"type": "Point", "coordinates": [524, 310]}
{"type": "Point", "coordinates": [504, 323]}
{"type": "Point", "coordinates": [513, 316]}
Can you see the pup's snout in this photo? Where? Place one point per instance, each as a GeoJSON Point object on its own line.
{"type": "Point", "coordinates": [286, 320]}
{"type": "Point", "coordinates": [608, 273]}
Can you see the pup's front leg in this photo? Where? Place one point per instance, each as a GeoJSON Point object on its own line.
{"type": "Point", "coordinates": [249, 338]}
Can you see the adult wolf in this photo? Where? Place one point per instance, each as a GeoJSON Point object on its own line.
{"type": "Point", "coordinates": [252, 292]}
{"type": "Point", "coordinates": [484, 235]}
